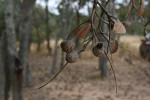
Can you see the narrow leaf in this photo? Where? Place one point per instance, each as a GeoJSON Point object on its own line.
{"type": "Point", "coordinates": [82, 30]}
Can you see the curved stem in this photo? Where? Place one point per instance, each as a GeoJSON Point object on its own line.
{"type": "Point", "coordinates": [113, 71]}
{"type": "Point", "coordinates": [53, 77]}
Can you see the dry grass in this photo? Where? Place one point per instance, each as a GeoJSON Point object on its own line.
{"type": "Point", "coordinates": [131, 43]}
{"type": "Point", "coordinates": [81, 80]}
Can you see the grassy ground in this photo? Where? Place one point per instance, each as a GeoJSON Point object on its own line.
{"type": "Point", "coordinates": [81, 80]}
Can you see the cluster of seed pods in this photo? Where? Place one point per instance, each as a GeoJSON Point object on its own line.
{"type": "Point", "coordinates": [72, 53]}
{"type": "Point", "coordinates": [68, 46]}
{"type": "Point", "coordinates": [114, 26]}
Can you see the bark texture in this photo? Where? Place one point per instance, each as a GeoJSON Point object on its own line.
{"type": "Point", "coordinates": [53, 68]}
{"type": "Point", "coordinates": [11, 49]}
{"type": "Point", "coordinates": [25, 33]}
{"type": "Point", "coordinates": [2, 72]}
{"type": "Point", "coordinates": [47, 28]}
{"type": "Point", "coordinates": [102, 59]}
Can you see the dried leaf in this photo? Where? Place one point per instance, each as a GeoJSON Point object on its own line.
{"type": "Point", "coordinates": [79, 32]}
{"type": "Point", "coordinates": [114, 46]}
{"type": "Point", "coordinates": [75, 31]}
{"type": "Point", "coordinates": [119, 27]}
{"type": "Point", "coordinates": [141, 10]}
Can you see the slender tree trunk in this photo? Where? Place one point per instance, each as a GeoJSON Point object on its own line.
{"type": "Point", "coordinates": [78, 22]}
{"type": "Point", "coordinates": [38, 40]}
{"type": "Point", "coordinates": [102, 59]}
{"type": "Point", "coordinates": [6, 69]}
{"type": "Point", "coordinates": [47, 28]}
{"type": "Point", "coordinates": [2, 71]}
{"type": "Point", "coordinates": [25, 31]}
{"type": "Point", "coordinates": [103, 66]}
{"type": "Point", "coordinates": [55, 56]}
{"type": "Point", "coordinates": [11, 49]}
{"type": "Point", "coordinates": [62, 58]}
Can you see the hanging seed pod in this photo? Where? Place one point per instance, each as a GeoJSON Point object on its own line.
{"type": "Point", "coordinates": [72, 56]}
{"type": "Point", "coordinates": [97, 50]}
{"type": "Point", "coordinates": [67, 46]}
{"type": "Point", "coordinates": [114, 47]}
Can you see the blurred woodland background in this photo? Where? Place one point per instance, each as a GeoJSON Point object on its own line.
{"type": "Point", "coordinates": [30, 53]}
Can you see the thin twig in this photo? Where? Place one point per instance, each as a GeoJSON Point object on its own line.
{"type": "Point", "coordinates": [113, 71]}
{"type": "Point", "coordinates": [53, 77]}
{"type": "Point", "coordinates": [148, 22]}
{"type": "Point", "coordinates": [106, 12]}
{"type": "Point", "coordinates": [101, 18]}
{"type": "Point", "coordinates": [85, 46]}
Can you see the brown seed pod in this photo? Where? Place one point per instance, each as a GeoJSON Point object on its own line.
{"type": "Point", "coordinates": [67, 46]}
{"type": "Point", "coordinates": [114, 47]}
{"type": "Point", "coordinates": [72, 56]}
{"type": "Point", "coordinates": [97, 50]}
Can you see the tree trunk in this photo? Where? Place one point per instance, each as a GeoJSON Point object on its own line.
{"type": "Point", "coordinates": [25, 31]}
{"type": "Point", "coordinates": [47, 28]}
{"type": "Point", "coordinates": [2, 71]}
{"type": "Point", "coordinates": [103, 66]}
{"type": "Point", "coordinates": [78, 22]}
{"type": "Point", "coordinates": [38, 40]}
{"type": "Point", "coordinates": [55, 56]}
{"type": "Point", "coordinates": [6, 69]}
{"type": "Point", "coordinates": [102, 59]}
{"type": "Point", "coordinates": [11, 49]}
{"type": "Point", "coordinates": [62, 59]}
